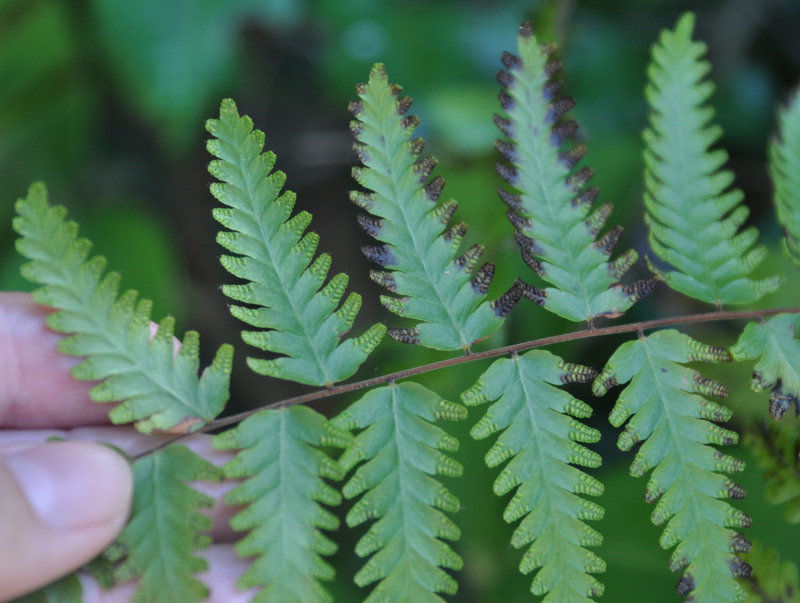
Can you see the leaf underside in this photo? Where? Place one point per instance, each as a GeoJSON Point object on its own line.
{"type": "Point", "coordinates": [552, 209]}
{"type": "Point", "coordinates": [540, 438]}
{"type": "Point", "coordinates": [282, 493]}
{"type": "Point", "coordinates": [669, 412]}
{"type": "Point", "coordinates": [694, 215]}
{"type": "Point", "coordinates": [399, 451]}
{"type": "Point", "coordinates": [158, 387]}
{"type": "Point", "coordinates": [300, 316]}
{"type": "Point", "coordinates": [419, 250]}
{"type": "Point", "coordinates": [158, 545]}
{"type": "Point", "coordinates": [774, 345]}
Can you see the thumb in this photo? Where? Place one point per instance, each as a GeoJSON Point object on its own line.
{"type": "Point", "coordinates": [60, 505]}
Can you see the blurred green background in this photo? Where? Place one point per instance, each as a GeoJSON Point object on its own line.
{"type": "Point", "coordinates": [105, 100]}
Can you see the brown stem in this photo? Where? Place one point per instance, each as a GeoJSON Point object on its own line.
{"type": "Point", "coordinates": [336, 390]}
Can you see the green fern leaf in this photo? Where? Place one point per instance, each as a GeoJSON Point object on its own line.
{"type": "Point", "coordinates": [298, 314]}
{"type": "Point", "coordinates": [776, 446]}
{"type": "Point", "coordinates": [784, 167]}
{"type": "Point", "coordinates": [556, 228]}
{"type": "Point", "coordinates": [435, 285]}
{"type": "Point", "coordinates": [669, 412]}
{"type": "Point", "coordinates": [282, 469]}
{"type": "Point", "coordinates": [693, 215]}
{"type": "Point", "coordinates": [65, 590]}
{"type": "Point", "coordinates": [400, 451]}
{"type": "Point", "coordinates": [772, 581]}
{"type": "Point", "coordinates": [541, 437]}
{"type": "Point", "coordinates": [165, 529]}
{"type": "Point", "coordinates": [159, 389]}
{"type": "Point", "coordinates": [773, 343]}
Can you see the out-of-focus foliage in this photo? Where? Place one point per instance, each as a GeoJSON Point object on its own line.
{"type": "Point", "coordinates": [171, 59]}
{"type": "Point", "coordinates": [777, 448]}
{"type": "Point", "coordinates": [774, 579]}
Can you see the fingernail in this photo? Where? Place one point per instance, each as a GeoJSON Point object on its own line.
{"type": "Point", "coordinates": [73, 485]}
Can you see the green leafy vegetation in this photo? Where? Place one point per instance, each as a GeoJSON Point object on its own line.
{"type": "Point", "coordinates": [695, 220]}
{"type": "Point", "coordinates": [665, 406]}
{"type": "Point", "coordinates": [553, 217]}
{"type": "Point", "coordinates": [283, 468]}
{"type": "Point", "coordinates": [158, 387]}
{"type": "Point", "coordinates": [400, 451]}
{"type": "Point", "coordinates": [275, 258]}
{"type": "Point", "coordinates": [391, 462]}
{"type": "Point", "coordinates": [435, 286]}
{"type": "Point", "coordinates": [158, 545]}
{"type": "Point", "coordinates": [541, 436]}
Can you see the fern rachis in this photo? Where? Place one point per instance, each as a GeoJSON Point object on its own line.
{"type": "Point", "coordinates": [397, 456]}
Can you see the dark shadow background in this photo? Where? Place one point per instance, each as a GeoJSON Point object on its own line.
{"type": "Point", "coordinates": [105, 100]}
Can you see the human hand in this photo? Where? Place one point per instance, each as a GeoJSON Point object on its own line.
{"type": "Point", "coordinates": [62, 503]}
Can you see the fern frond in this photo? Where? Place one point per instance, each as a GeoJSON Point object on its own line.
{"type": "Point", "coordinates": [419, 249]}
{"type": "Point", "coordinates": [541, 436]}
{"type": "Point", "coordinates": [552, 211]}
{"type": "Point", "coordinates": [295, 308]}
{"type": "Point", "coordinates": [776, 446]}
{"type": "Point", "coordinates": [693, 214]}
{"type": "Point", "coordinates": [772, 580]}
{"type": "Point", "coordinates": [669, 412]}
{"type": "Point", "coordinates": [158, 545]}
{"type": "Point", "coordinates": [784, 167]}
{"type": "Point", "coordinates": [159, 389]}
{"type": "Point", "coordinates": [774, 345]}
{"type": "Point", "coordinates": [282, 469]}
{"type": "Point", "coordinates": [400, 451]}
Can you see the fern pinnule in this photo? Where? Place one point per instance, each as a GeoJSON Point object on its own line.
{"type": "Point", "coordinates": [158, 545]}
{"type": "Point", "coordinates": [552, 208]}
{"type": "Point", "coordinates": [693, 215]}
{"type": "Point", "coordinates": [282, 491]}
{"type": "Point", "coordinates": [784, 167]}
{"type": "Point", "coordinates": [774, 345]}
{"type": "Point", "coordinates": [540, 438]}
{"type": "Point", "coordinates": [159, 389]}
{"type": "Point", "coordinates": [670, 414]}
{"type": "Point", "coordinates": [299, 315]}
{"type": "Point", "coordinates": [399, 452]}
{"type": "Point", "coordinates": [419, 248]}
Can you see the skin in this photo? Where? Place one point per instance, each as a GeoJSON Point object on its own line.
{"type": "Point", "coordinates": [62, 503]}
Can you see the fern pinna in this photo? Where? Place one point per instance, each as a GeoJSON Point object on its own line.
{"type": "Point", "coordinates": [669, 412]}
{"type": "Point", "coordinates": [541, 435]}
{"type": "Point", "coordinates": [298, 316]}
{"type": "Point", "coordinates": [552, 211]}
{"type": "Point", "coordinates": [396, 454]}
{"type": "Point", "coordinates": [694, 219]}
{"type": "Point", "coordinates": [436, 286]}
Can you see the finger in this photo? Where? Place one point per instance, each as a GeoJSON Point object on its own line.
{"type": "Point", "coordinates": [36, 387]}
{"type": "Point", "coordinates": [133, 443]}
{"type": "Point", "coordinates": [62, 504]}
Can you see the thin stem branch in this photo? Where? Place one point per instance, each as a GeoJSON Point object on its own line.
{"type": "Point", "coordinates": [337, 390]}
